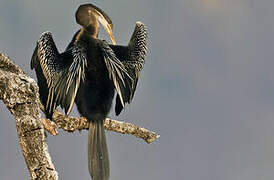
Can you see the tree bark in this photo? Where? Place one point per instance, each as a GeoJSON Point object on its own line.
{"type": "Point", "coordinates": [20, 94]}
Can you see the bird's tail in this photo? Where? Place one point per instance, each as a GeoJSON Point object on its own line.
{"type": "Point", "coordinates": [98, 162]}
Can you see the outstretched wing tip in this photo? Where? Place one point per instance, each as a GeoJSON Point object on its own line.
{"type": "Point", "coordinates": [46, 33]}
{"type": "Point", "coordinates": [139, 23]}
{"type": "Point", "coordinates": [140, 26]}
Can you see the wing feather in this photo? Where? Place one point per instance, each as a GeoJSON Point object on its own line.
{"type": "Point", "coordinates": [133, 59]}
{"type": "Point", "coordinates": [62, 73]}
{"type": "Point", "coordinates": [116, 70]}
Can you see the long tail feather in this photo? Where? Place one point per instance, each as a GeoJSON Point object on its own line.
{"type": "Point", "coordinates": [98, 162]}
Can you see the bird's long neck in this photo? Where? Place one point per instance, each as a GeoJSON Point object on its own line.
{"type": "Point", "coordinates": [84, 34]}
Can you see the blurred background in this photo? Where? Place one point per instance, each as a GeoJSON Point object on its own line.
{"type": "Point", "coordinates": [207, 88]}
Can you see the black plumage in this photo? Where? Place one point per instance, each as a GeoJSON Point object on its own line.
{"type": "Point", "coordinates": [88, 73]}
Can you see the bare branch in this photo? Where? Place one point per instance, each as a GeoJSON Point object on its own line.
{"type": "Point", "coordinates": [71, 124]}
{"type": "Point", "coordinates": [20, 94]}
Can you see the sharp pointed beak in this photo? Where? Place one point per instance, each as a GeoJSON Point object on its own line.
{"type": "Point", "coordinates": [108, 28]}
{"type": "Point", "coordinates": [109, 31]}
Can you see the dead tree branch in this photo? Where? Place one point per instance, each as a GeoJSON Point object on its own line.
{"type": "Point", "coordinates": [20, 94]}
{"type": "Point", "coordinates": [71, 124]}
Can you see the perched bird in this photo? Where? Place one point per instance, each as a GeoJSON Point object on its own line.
{"type": "Point", "coordinates": [88, 73]}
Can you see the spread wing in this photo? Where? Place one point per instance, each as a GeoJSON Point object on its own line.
{"type": "Point", "coordinates": [133, 59]}
{"type": "Point", "coordinates": [116, 70]}
{"type": "Point", "coordinates": [59, 75]}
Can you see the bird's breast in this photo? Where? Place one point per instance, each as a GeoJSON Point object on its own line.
{"type": "Point", "coordinates": [96, 71]}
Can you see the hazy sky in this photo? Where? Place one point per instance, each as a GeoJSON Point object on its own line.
{"type": "Point", "coordinates": [207, 88]}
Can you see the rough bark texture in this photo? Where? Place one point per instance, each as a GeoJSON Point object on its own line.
{"type": "Point", "coordinates": [20, 94]}
{"type": "Point", "coordinates": [71, 124]}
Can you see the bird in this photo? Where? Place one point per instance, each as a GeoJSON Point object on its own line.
{"type": "Point", "coordinates": [89, 73]}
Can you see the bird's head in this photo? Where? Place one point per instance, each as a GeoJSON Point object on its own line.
{"type": "Point", "coordinates": [88, 16]}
